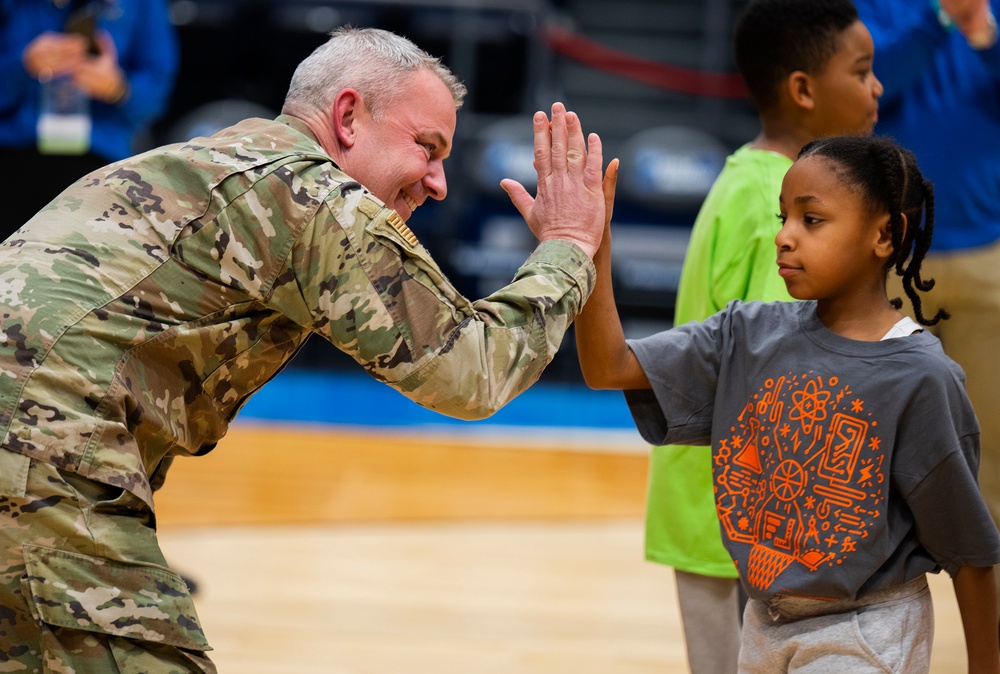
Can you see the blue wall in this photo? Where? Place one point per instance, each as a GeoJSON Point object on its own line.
{"type": "Point", "coordinates": [358, 400]}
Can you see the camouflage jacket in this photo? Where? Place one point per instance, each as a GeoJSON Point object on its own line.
{"type": "Point", "coordinates": [142, 308]}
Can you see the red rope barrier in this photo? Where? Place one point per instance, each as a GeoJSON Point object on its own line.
{"type": "Point", "coordinates": [683, 80]}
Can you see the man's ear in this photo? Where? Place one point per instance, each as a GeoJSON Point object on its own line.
{"type": "Point", "coordinates": [345, 111]}
{"type": "Point", "coordinates": [799, 86]}
{"type": "Point", "coordinates": [883, 245]}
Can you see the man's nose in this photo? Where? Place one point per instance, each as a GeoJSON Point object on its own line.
{"type": "Point", "coordinates": [436, 183]}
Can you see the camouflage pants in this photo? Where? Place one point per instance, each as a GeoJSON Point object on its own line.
{"type": "Point", "coordinates": [84, 587]}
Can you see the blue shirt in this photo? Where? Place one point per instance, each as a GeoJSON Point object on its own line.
{"type": "Point", "coordinates": [942, 101]}
{"type": "Point", "coordinates": [147, 53]}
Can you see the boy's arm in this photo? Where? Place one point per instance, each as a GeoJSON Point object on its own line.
{"type": "Point", "coordinates": [606, 361]}
{"type": "Point", "coordinates": [975, 590]}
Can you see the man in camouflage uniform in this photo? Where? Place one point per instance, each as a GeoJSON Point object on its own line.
{"type": "Point", "coordinates": [146, 304]}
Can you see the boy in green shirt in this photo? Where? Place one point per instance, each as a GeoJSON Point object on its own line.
{"type": "Point", "coordinates": [807, 65]}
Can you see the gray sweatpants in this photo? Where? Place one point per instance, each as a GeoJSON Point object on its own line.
{"type": "Point", "coordinates": [711, 620]}
{"type": "Point", "coordinates": [893, 636]}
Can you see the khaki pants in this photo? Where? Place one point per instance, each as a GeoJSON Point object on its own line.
{"type": "Point", "coordinates": [967, 285]}
{"type": "Point", "coordinates": [84, 587]}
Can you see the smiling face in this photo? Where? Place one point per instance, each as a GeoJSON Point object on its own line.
{"type": "Point", "coordinates": [830, 247]}
{"type": "Point", "coordinates": [400, 155]}
{"type": "Point", "coordinates": [846, 92]}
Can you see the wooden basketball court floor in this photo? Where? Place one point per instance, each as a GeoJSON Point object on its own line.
{"type": "Point", "coordinates": [370, 551]}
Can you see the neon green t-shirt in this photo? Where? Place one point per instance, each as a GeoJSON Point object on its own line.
{"type": "Point", "coordinates": [731, 256]}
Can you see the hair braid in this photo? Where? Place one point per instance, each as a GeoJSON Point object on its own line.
{"type": "Point", "coordinates": [894, 176]}
{"type": "Point", "coordinates": [921, 239]}
{"type": "Point", "coordinates": [894, 173]}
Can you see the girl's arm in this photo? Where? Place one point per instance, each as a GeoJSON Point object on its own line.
{"type": "Point", "coordinates": [605, 359]}
{"type": "Point", "coordinates": [975, 590]}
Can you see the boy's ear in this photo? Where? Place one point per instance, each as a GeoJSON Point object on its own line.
{"type": "Point", "coordinates": [799, 86]}
{"type": "Point", "coordinates": [883, 245]}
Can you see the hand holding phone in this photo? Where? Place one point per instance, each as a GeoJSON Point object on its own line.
{"type": "Point", "coordinates": [84, 23]}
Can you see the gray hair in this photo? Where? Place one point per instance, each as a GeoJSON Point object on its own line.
{"type": "Point", "coordinates": [375, 62]}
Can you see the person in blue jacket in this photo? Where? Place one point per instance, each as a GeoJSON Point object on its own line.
{"type": "Point", "coordinates": [120, 55]}
{"type": "Point", "coordinates": [940, 66]}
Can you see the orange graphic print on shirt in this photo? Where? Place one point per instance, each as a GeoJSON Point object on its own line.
{"type": "Point", "coordinates": [799, 476]}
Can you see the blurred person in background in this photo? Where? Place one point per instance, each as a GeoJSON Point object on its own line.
{"type": "Point", "coordinates": [940, 64]}
{"type": "Point", "coordinates": [78, 80]}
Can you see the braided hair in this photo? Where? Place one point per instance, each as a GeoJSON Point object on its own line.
{"type": "Point", "coordinates": [890, 182]}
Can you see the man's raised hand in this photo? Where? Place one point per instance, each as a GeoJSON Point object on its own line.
{"type": "Point", "coordinates": [569, 203]}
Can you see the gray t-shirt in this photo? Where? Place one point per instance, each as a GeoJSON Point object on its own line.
{"type": "Point", "coordinates": [840, 467]}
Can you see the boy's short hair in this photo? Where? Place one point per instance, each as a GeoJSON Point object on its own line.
{"type": "Point", "coordinates": [774, 38]}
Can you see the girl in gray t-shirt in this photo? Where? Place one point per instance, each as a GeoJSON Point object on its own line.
{"type": "Point", "coordinates": [844, 447]}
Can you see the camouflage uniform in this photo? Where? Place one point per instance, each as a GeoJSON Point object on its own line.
{"type": "Point", "coordinates": [146, 304]}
